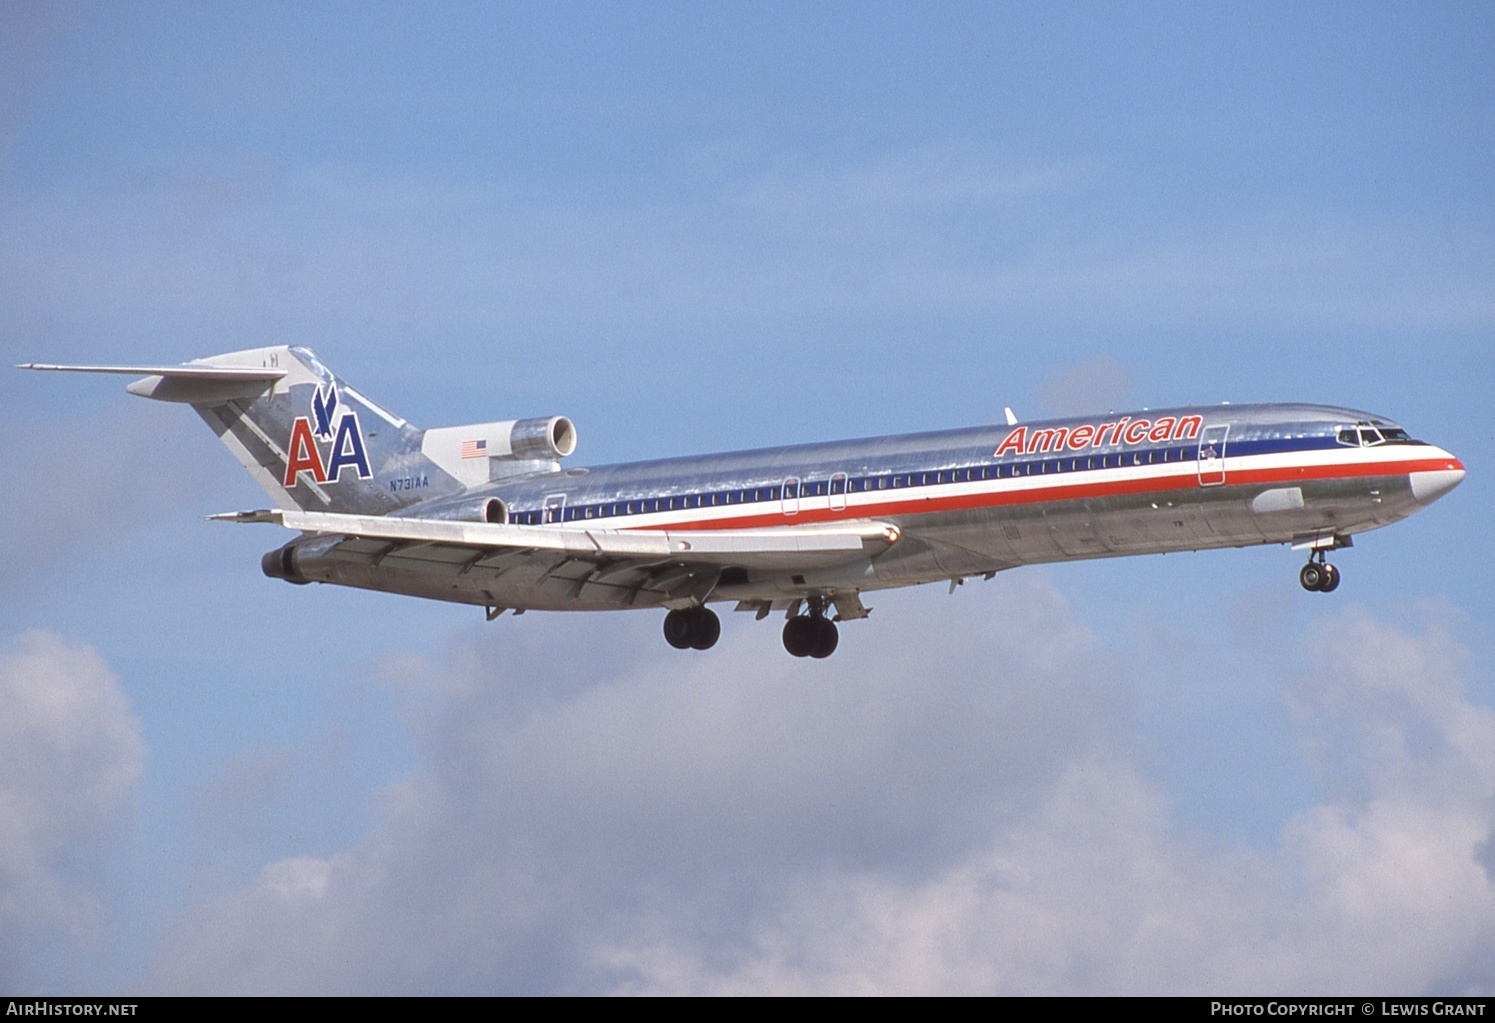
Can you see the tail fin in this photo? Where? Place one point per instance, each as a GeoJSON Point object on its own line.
{"type": "Point", "coordinates": [308, 438]}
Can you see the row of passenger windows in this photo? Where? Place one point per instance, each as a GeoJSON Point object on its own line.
{"type": "Point", "coordinates": [840, 484]}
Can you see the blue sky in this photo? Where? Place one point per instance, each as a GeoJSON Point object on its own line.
{"type": "Point", "coordinates": [693, 230]}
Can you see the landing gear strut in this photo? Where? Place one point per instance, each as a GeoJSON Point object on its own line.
{"type": "Point", "coordinates": [1320, 576]}
{"type": "Point", "coordinates": [695, 627]}
{"type": "Point", "coordinates": [813, 634]}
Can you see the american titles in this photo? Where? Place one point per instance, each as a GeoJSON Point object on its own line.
{"type": "Point", "coordinates": [347, 451]}
{"type": "Point", "coordinates": [1023, 441]}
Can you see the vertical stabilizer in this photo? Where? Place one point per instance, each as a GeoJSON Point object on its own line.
{"type": "Point", "coordinates": [310, 439]}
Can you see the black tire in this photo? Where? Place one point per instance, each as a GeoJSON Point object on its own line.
{"type": "Point", "coordinates": [1331, 580]}
{"type": "Point", "coordinates": [1312, 577]}
{"type": "Point", "coordinates": [826, 637]}
{"type": "Point", "coordinates": [799, 636]}
{"type": "Point", "coordinates": [679, 629]}
{"type": "Point", "coordinates": [707, 628]}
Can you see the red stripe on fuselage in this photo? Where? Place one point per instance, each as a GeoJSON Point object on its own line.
{"type": "Point", "coordinates": [1066, 491]}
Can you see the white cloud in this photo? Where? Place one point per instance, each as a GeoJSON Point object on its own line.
{"type": "Point", "coordinates": [917, 815]}
{"type": "Point", "coordinates": [1101, 893]}
{"type": "Point", "coordinates": [297, 878]}
{"type": "Point", "coordinates": [70, 764]}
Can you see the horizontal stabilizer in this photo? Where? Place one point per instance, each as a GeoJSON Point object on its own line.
{"type": "Point", "coordinates": [187, 372]}
{"type": "Point", "coordinates": [194, 384]}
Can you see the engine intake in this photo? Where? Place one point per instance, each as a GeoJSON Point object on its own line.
{"type": "Point", "coordinates": [281, 564]}
{"type": "Point", "coordinates": [476, 509]}
{"type": "Point", "coordinates": [554, 437]}
{"type": "Point", "coordinates": [481, 452]}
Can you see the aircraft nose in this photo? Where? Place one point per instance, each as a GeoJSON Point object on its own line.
{"type": "Point", "coordinates": [1431, 484]}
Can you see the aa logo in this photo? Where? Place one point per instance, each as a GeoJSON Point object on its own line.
{"type": "Point", "coordinates": [304, 453]}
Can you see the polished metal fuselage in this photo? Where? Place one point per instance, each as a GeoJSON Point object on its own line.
{"type": "Point", "coordinates": [963, 502]}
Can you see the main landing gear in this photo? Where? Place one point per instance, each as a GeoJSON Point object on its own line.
{"type": "Point", "coordinates": [806, 635]}
{"type": "Point", "coordinates": [692, 628]}
{"type": "Point", "coordinates": [1320, 576]}
{"type": "Point", "coordinates": [811, 635]}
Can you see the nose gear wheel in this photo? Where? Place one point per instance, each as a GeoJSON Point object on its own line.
{"type": "Point", "coordinates": [1319, 576]}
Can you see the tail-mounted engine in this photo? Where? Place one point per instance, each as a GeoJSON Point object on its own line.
{"type": "Point", "coordinates": [471, 509]}
{"type": "Point", "coordinates": [485, 451]}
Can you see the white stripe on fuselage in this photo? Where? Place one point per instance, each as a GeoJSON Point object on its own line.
{"type": "Point", "coordinates": [1172, 476]}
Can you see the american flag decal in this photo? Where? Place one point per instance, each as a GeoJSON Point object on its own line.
{"type": "Point", "coordinates": [474, 449]}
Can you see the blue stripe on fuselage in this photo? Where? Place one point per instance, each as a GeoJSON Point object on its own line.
{"type": "Point", "coordinates": [813, 485]}
{"type": "Point", "coordinates": [754, 480]}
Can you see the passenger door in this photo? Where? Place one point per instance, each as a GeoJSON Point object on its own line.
{"type": "Point", "coordinates": [1212, 455]}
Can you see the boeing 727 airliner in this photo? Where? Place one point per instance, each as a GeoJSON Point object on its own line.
{"type": "Point", "coordinates": [487, 515]}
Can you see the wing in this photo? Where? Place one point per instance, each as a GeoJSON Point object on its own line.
{"type": "Point", "coordinates": [610, 567]}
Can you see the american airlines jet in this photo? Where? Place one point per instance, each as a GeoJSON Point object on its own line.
{"type": "Point", "coordinates": [487, 515]}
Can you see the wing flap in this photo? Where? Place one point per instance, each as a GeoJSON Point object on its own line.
{"type": "Point", "coordinates": [780, 547]}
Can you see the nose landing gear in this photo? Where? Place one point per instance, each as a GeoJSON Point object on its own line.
{"type": "Point", "coordinates": [1320, 576]}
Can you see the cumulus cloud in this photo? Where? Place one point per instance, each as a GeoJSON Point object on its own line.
{"type": "Point", "coordinates": [563, 800]}
{"type": "Point", "coordinates": [1380, 887]}
{"type": "Point", "coordinates": [914, 816]}
{"type": "Point", "coordinates": [70, 764]}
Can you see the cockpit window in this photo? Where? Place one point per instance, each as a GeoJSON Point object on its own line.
{"type": "Point", "coordinates": [1365, 435]}
{"type": "Point", "coordinates": [1370, 435]}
